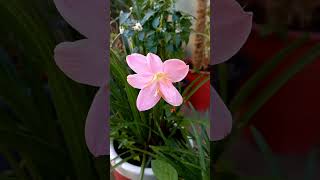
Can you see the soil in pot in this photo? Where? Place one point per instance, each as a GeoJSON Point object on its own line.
{"type": "Point", "coordinates": [124, 156]}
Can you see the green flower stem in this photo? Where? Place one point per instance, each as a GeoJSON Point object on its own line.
{"type": "Point", "coordinates": [188, 88]}
{"type": "Point", "coordinates": [187, 97]}
{"type": "Point", "coordinates": [143, 166]}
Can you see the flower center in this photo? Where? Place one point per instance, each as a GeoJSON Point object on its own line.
{"type": "Point", "coordinates": [156, 78]}
{"type": "Point", "coordinates": [159, 76]}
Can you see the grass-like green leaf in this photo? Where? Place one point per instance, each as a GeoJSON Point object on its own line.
{"type": "Point", "coordinates": [118, 70]}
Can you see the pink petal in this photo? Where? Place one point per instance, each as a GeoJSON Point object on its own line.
{"type": "Point", "coordinates": [97, 125]}
{"type": "Point", "coordinates": [231, 28]}
{"type": "Point", "coordinates": [221, 122]}
{"type": "Point", "coordinates": [155, 63]}
{"type": "Point", "coordinates": [138, 63]}
{"type": "Point", "coordinates": [176, 69]}
{"type": "Point", "coordinates": [139, 80]}
{"type": "Point", "coordinates": [82, 61]}
{"type": "Point", "coordinates": [148, 97]}
{"type": "Point", "coordinates": [88, 17]}
{"type": "Point", "coordinates": [170, 94]}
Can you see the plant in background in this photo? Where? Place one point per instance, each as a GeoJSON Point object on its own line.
{"type": "Point", "coordinates": [157, 27]}
{"type": "Point", "coordinates": [118, 6]}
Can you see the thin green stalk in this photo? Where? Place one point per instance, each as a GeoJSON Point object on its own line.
{"type": "Point", "coordinates": [192, 84]}
{"type": "Point", "coordinates": [194, 90]}
{"type": "Point", "coordinates": [143, 166]}
{"type": "Point", "coordinates": [201, 153]}
{"type": "Point", "coordinates": [142, 151]}
{"type": "Point", "coordinates": [160, 131]}
{"type": "Point", "coordinates": [115, 66]}
{"type": "Point", "coordinates": [120, 155]}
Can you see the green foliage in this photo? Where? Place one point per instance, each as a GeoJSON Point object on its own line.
{"type": "Point", "coordinates": [157, 134]}
{"type": "Point", "coordinates": [129, 126]}
{"type": "Point", "coordinates": [163, 170]}
{"type": "Point", "coordinates": [42, 122]}
{"type": "Point", "coordinates": [164, 29]}
{"type": "Point", "coordinates": [159, 137]}
{"type": "Point", "coordinates": [191, 160]}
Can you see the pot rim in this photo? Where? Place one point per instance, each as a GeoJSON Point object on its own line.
{"type": "Point", "coordinates": [126, 168]}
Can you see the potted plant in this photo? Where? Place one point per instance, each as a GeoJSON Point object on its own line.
{"type": "Point", "coordinates": [140, 128]}
{"type": "Point", "coordinates": [150, 135]}
{"type": "Point", "coordinates": [278, 25]}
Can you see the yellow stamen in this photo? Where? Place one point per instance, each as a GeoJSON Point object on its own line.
{"type": "Point", "coordinates": [159, 76]}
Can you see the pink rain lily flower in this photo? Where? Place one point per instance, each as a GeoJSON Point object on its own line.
{"type": "Point", "coordinates": [155, 79]}
{"type": "Point", "coordinates": [231, 28]}
{"type": "Point", "coordinates": [85, 61]}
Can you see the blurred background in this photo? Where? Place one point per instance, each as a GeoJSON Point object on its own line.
{"type": "Point", "coordinates": [272, 88]}
{"type": "Point", "coordinates": [42, 112]}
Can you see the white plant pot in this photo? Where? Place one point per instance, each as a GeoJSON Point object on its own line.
{"type": "Point", "coordinates": [128, 170]}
